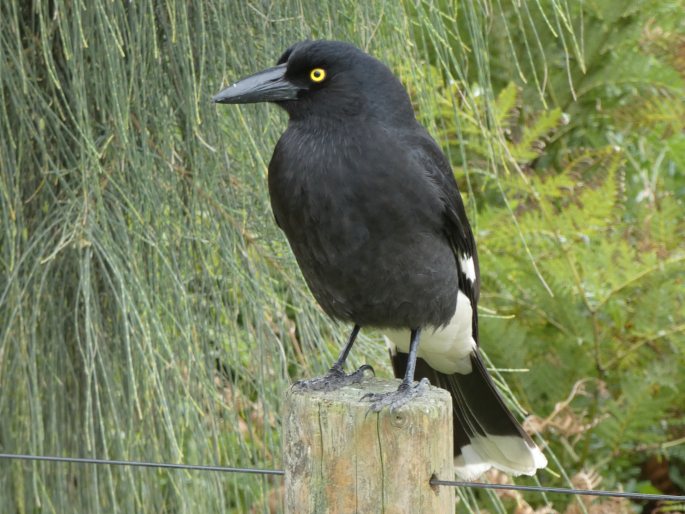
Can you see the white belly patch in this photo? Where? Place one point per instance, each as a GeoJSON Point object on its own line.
{"type": "Point", "coordinates": [446, 349]}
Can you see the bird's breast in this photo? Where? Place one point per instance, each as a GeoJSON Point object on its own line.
{"type": "Point", "coordinates": [366, 230]}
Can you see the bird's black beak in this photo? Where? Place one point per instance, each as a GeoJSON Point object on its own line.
{"type": "Point", "coordinates": [269, 85]}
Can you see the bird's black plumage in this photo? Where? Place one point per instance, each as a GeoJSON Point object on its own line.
{"type": "Point", "coordinates": [372, 211]}
{"type": "Point", "coordinates": [351, 232]}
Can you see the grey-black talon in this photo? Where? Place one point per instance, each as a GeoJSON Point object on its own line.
{"type": "Point", "coordinates": [396, 399]}
{"type": "Point", "coordinates": [334, 379]}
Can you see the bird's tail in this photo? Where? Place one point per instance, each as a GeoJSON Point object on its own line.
{"type": "Point", "coordinates": [486, 434]}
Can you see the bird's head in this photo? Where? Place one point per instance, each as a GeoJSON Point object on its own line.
{"type": "Point", "coordinates": [325, 79]}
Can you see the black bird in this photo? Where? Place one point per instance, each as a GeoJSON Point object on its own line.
{"type": "Point", "coordinates": [371, 209]}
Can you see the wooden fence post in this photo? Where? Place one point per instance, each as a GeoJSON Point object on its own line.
{"type": "Point", "coordinates": [341, 458]}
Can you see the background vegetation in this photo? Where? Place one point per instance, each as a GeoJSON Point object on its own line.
{"type": "Point", "coordinates": [151, 310]}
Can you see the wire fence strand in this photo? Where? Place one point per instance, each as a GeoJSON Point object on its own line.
{"type": "Point", "coordinates": [560, 490]}
{"type": "Point", "coordinates": [433, 482]}
{"type": "Point", "coordinates": [141, 464]}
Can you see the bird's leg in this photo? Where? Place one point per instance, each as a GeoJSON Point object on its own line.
{"type": "Point", "coordinates": [336, 377]}
{"type": "Point", "coordinates": [407, 389]}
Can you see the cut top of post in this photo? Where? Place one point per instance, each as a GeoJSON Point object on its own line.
{"type": "Point", "coordinates": [341, 457]}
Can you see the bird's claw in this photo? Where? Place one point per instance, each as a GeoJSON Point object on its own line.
{"type": "Point", "coordinates": [334, 379]}
{"type": "Point", "coordinates": [396, 399]}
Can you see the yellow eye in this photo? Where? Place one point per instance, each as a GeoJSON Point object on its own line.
{"type": "Point", "coordinates": [317, 74]}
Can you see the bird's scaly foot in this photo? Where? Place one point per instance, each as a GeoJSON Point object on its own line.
{"type": "Point", "coordinates": [334, 379]}
{"type": "Point", "coordinates": [396, 399]}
